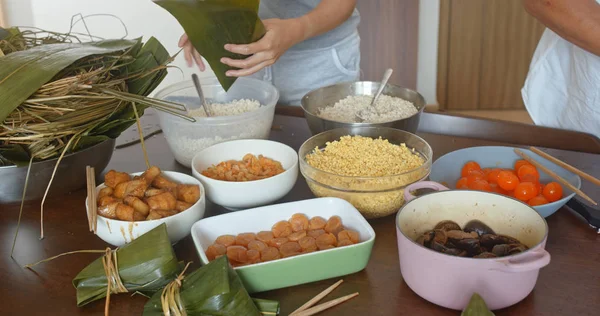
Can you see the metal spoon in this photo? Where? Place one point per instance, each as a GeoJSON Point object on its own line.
{"type": "Point", "coordinates": [203, 104]}
{"type": "Point", "coordinates": [382, 85]}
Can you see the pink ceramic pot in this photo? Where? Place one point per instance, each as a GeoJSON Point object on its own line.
{"type": "Point", "coordinates": [450, 281]}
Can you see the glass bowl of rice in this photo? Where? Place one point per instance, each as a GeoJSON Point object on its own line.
{"type": "Point", "coordinates": [244, 112]}
{"type": "Point", "coordinates": [366, 166]}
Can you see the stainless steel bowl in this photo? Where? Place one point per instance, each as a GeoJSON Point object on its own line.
{"type": "Point", "coordinates": [69, 177]}
{"type": "Point", "coordinates": [329, 95]}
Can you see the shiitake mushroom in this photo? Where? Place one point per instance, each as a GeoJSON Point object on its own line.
{"type": "Point", "coordinates": [476, 240]}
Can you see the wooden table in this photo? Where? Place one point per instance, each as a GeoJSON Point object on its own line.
{"type": "Point", "coordinates": [570, 285]}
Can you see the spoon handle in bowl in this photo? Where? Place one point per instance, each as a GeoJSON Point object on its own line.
{"type": "Point", "coordinates": [384, 81]}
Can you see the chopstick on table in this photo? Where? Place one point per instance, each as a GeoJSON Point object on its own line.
{"type": "Point", "coordinates": [319, 308]}
{"type": "Point", "coordinates": [317, 298]}
{"type": "Point", "coordinates": [555, 176]}
{"type": "Point", "coordinates": [566, 166]}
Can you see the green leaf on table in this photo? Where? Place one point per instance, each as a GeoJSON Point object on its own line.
{"type": "Point", "coordinates": [476, 307]}
{"type": "Point", "coordinates": [23, 73]}
{"type": "Point", "coordinates": [210, 24]}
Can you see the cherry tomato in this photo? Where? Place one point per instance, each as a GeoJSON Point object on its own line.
{"type": "Point", "coordinates": [492, 177]}
{"type": "Point", "coordinates": [520, 163]}
{"type": "Point", "coordinates": [528, 171]}
{"type": "Point", "coordinates": [526, 191]}
{"type": "Point", "coordinates": [462, 184]}
{"type": "Point", "coordinates": [480, 185]}
{"type": "Point", "coordinates": [474, 176]}
{"type": "Point", "coordinates": [538, 200]}
{"type": "Point", "coordinates": [507, 180]}
{"type": "Point", "coordinates": [553, 191]}
{"type": "Point", "coordinates": [497, 189]}
{"type": "Point", "coordinates": [469, 167]}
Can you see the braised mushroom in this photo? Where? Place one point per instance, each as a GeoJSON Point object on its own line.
{"type": "Point", "coordinates": [479, 227]}
{"type": "Point", "coordinates": [447, 225]}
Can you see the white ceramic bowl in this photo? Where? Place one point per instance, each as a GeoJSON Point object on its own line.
{"type": "Point", "coordinates": [240, 195]}
{"type": "Point", "coordinates": [301, 269]}
{"type": "Point", "coordinates": [119, 233]}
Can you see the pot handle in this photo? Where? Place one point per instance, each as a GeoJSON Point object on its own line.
{"type": "Point", "coordinates": [422, 185]}
{"type": "Point", "coordinates": [537, 260]}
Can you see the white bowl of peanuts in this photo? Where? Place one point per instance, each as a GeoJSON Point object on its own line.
{"type": "Point", "coordinates": [246, 173]}
{"type": "Point", "coordinates": [130, 205]}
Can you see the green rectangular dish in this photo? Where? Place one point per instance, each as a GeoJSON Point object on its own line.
{"type": "Point", "coordinates": [306, 268]}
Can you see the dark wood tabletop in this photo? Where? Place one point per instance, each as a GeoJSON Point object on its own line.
{"type": "Point", "coordinates": [570, 285]}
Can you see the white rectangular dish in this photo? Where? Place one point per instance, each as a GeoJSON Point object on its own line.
{"type": "Point", "coordinates": [295, 270]}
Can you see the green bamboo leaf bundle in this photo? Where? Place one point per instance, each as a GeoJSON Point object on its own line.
{"type": "Point", "coordinates": [210, 24]}
{"type": "Point", "coordinates": [145, 265]}
{"type": "Point", "coordinates": [214, 289]}
{"type": "Point", "coordinates": [54, 91]}
{"type": "Point", "coordinates": [476, 307]}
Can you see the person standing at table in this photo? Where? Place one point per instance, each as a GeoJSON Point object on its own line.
{"type": "Point", "coordinates": [308, 44]}
{"type": "Point", "coordinates": [562, 88]}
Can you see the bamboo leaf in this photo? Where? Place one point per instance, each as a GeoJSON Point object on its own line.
{"type": "Point", "coordinates": [210, 24]}
{"type": "Point", "coordinates": [89, 141]}
{"type": "Point", "coordinates": [476, 307]}
{"type": "Point", "coordinates": [146, 265]}
{"type": "Point", "coordinates": [14, 154]}
{"type": "Point", "coordinates": [150, 56]}
{"type": "Point", "coordinates": [22, 73]}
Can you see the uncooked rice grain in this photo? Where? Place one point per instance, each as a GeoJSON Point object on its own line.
{"type": "Point", "coordinates": [235, 107]}
{"type": "Point", "coordinates": [386, 109]}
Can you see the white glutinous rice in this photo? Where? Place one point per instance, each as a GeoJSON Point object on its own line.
{"type": "Point", "coordinates": [235, 107]}
{"type": "Point", "coordinates": [386, 109]}
{"type": "Point", "coordinates": [188, 140]}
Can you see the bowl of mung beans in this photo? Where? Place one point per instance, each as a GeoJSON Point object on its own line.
{"type": "Point", "coordinates": [366, 166]}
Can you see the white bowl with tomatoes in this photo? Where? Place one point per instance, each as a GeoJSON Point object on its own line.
{"type": "Point", "coordinates": [500, 170]}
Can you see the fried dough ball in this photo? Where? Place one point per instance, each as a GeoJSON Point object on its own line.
{"type": "Point", "coordinates": [138, 205]}
{"type": "Point", "coordinates": [152, 192]}
{"type": "Point", "coordinates": [108, 191]}
{"type": "Point", "coordinates": [105, 200]}
{"type": "Point", "coordinates": [113, 178]}
{"type": "Point", "coordinates": [150, 174]}
{"type": "Point", "coordinates": [109, 211]}
{"type": "Point", "coordinates": [163, 202]}
{"type": "Point", "coordinates": [189, 193]}
{"type": "Point", "coordinates": [161, 182]}
{"type": "Point", "coordinates": [135, 188]}
{"type": "Point", "coordinates": [182, 206]}
{"type": "Point", "coordinates": [128, 213]}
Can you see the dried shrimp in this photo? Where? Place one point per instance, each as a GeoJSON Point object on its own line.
{"type": "Point", "coordinates": [250, 168]}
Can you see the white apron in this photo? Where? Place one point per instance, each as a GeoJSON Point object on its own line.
{"type": "Point", "coordinates": [562, 87]}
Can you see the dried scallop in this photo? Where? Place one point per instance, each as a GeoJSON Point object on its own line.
{"type": "Point", "coordinates": [315, 233]}
{"type": "Point", "coordinates": [290, 249]}
{"type": "Point", "coordinates": [316, 222]}
{"type": "Point", "coordinates": [226, 240]}
{"type": "Point", "coordinates": [253, 256]}
{"type": "Point", "coordinates": [215, 250]}
{"type": "Point", "coordinates": [349, 234]}
{"type": "Point", "coordinates": [299, 222]}
{"type": "Point", "coordinates": [277, 242]}
{"type": "Point", "coordinates": [244, 238]}
{"type": "Point", "coordinates": [282, 229]}
{"type": "Point", "coordinates": [344, 242]}
{"type": "Point", "coordinates": [326, 241]}
{"type": "Point", "coordinates": [269, 254]}
{"type": "Point", "coordinates": [308, 243]}
{"type": "Point", "coordinates": [237, 254]}
{"type": "Point", "coordinates": [295, 236]}
{"type": "Point", "coordinates": [257, 245]}
{"type": "Point", "coordinates": [334, 225]}
{"type": "Point", "coordinates": [265, 236]}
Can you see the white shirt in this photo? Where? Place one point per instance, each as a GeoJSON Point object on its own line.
{"type": "Point", "coordinates": [562, 89]}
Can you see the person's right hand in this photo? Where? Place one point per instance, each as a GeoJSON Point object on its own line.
{"type": "Point", "coordinates": [190, 53]}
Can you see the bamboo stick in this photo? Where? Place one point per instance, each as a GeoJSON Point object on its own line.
{"type": "Point", "coordinates": [324, 306]}
{"type": "Point", "coordinates": [317, 298]}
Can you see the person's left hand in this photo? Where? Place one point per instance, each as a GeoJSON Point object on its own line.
{"type": "Point", "coordinates": [280, 36]}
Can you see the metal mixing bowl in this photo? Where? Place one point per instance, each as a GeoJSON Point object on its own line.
{"type": "Point", "coordinates": [69, 177]}
{"type": "Point", "coordinates": [327, 96]}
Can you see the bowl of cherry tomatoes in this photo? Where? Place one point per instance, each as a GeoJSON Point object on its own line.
{"type": "Point", "coordinates": [500, 170]}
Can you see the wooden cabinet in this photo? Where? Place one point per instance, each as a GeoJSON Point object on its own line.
{"type": "Point", "coordinates": [389, 39]}
{"type": "Point", "coordinates": [485, 48]}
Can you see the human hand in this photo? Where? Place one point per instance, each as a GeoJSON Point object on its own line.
{"type": "Point", "coordinates": [279, 37]}
{"type": "Point", "coordinates": [190, 53]}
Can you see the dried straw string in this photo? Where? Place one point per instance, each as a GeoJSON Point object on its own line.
{"type": "Point", "coordinates": [21, 208]}
{"type": "Point", "coordinates": [139, 127]}
{"type": "Point", "coordinates": [111, 269]}
{"type": "Point", "coordinates": [170, 298]}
